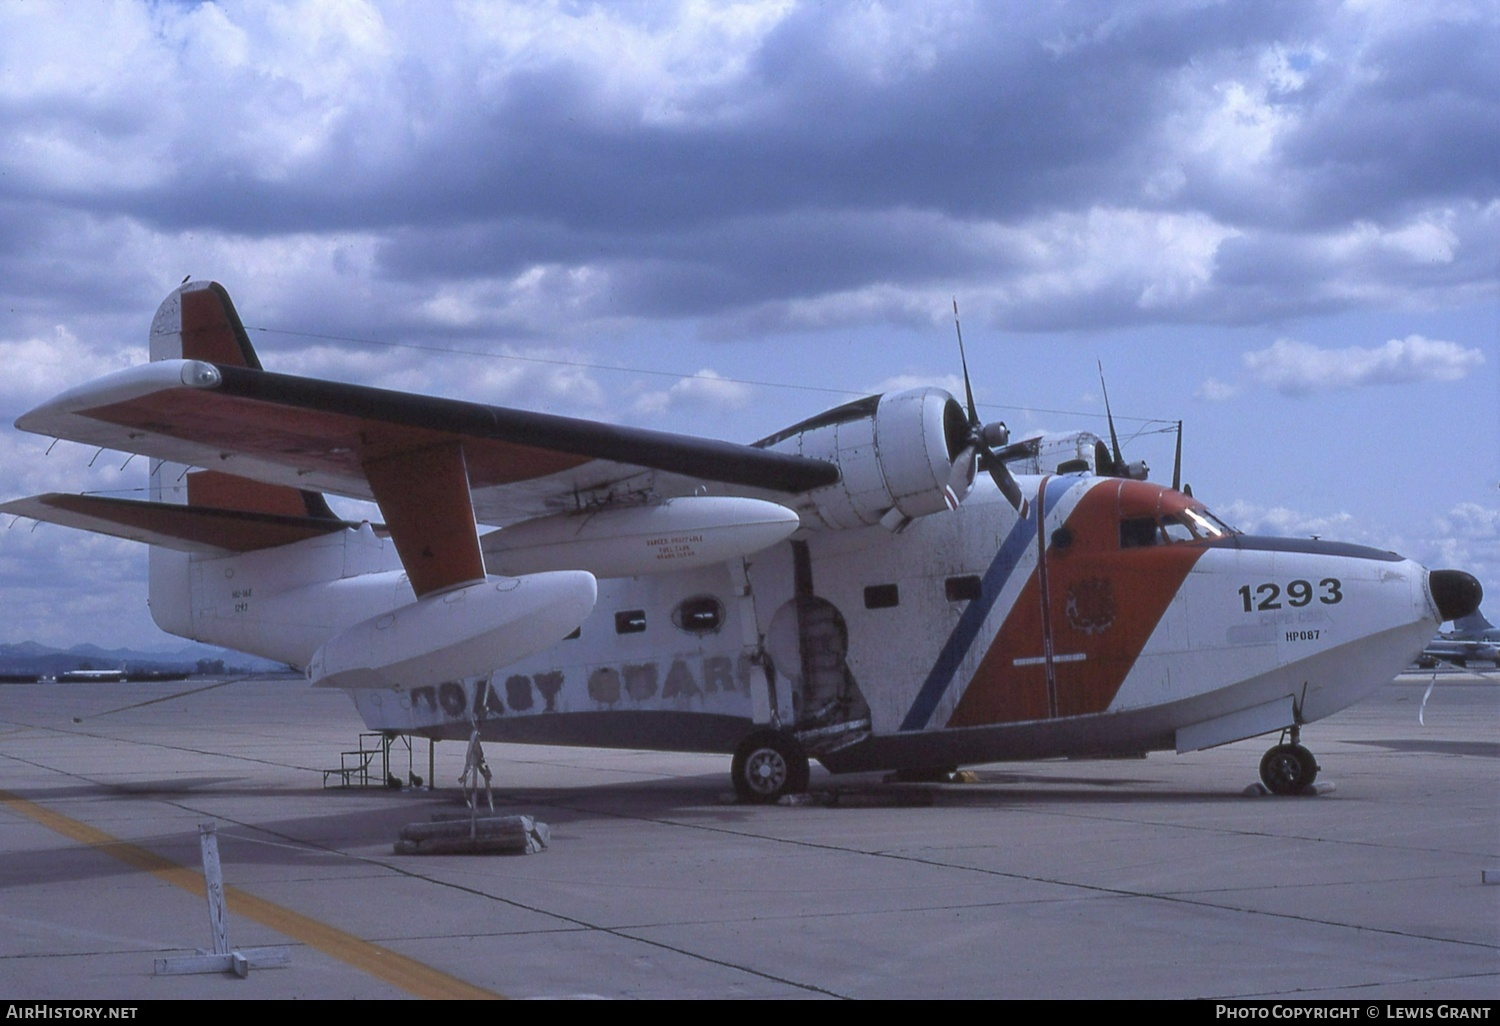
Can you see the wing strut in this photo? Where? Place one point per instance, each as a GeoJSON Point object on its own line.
{"type": "Point", "coordinates": [423, 495]}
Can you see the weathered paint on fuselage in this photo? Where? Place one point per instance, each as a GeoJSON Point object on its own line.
{"type": "Point", "coordinates": [969, 636]}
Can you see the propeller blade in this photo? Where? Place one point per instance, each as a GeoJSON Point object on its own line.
{"type": "Point", "coordinates": [1001, 475]}
{"type": "Point", "coordinates": [982, 436]}
{"type": "Point", "coordinates": [1114, 439]}
{"type": "Point", "coordinates": [963, 360]}
{"type": "Point", "coordinates": [1104, 466]}
{"type": "Point", "coordinates": [1177, 462]}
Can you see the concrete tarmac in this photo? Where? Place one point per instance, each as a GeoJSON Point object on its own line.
{"type": "Point", "coordinates": [1146, 878]}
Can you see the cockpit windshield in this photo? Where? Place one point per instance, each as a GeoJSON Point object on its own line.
{"type": "Point", "coordinates": [1206, 525]}
{"type": "Point", "coordinates": [1185, 525]}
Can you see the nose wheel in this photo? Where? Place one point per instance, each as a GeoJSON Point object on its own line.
{"type": "Point", "coordinates": [1288, 769]}
{"type": "Point", "coordinates": [768, 764]}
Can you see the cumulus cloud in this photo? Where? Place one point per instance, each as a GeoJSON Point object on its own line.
{"type": "Point", "coordinates": [1296, 368]}
{"type": "Point", "coordinates": [1213, 390]}
{"type": "Point", "coordinates": [952, 383]}
{"type": "Point", "coordinates": [775, 164]}
{"type": "Point", "coordinates": [535, 377]}
{"type": "Point", "coordinates": [40, 366]}
{"type": "Point", "coordinates": [1284, 521]}
{"type": "Point", "coordinates": [705, 389]}
{"type": "Point", "coordinates": [1467, 537]}
{"type": "Point", "coordinates": [99, 579]}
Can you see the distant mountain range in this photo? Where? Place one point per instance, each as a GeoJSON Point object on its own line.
{"type": "Point", "coordinates": [31, 659]}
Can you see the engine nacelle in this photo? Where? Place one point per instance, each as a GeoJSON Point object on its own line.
{"type": "Point", "coordinates": [676, 534]}
{"type": "Point", "coordinates": [900, 456]}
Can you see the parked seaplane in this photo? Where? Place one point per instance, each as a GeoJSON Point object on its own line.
{"type": "Point", "coordinates": [850, 589]}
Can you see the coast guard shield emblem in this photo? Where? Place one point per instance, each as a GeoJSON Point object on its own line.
{"type": "Point", "coordinates": [1091, 605]}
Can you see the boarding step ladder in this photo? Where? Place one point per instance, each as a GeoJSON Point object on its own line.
{"type": "Point", "coordinates": [357, 766]}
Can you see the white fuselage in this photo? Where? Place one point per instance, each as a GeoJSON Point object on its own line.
{"type": "Point", "coordinates": [971, 635]}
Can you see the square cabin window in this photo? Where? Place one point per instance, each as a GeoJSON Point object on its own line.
{"type": "Point", "coordinates": [962, 589]}
{"type": "Point", "coordinates": [630, 621]}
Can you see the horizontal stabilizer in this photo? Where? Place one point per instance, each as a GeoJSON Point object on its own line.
{"type": "Point", "coordinates": [184, 528]}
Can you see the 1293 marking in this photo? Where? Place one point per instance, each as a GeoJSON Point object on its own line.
{"type": "Point", "coordinates": [1299, 593]}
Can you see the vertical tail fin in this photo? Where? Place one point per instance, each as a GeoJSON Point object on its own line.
{"type": "Point", "coordinates": [1474, 624]}
{"type": "Point", "coordinates": [198, 321]}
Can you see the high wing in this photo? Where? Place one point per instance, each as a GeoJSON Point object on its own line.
{"type": "Point", "coordinates": [271, 444]}
{"type": "Point", "coordinates": [336, 437]}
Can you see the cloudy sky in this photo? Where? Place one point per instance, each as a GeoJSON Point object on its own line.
{"type": "Point", "coordinates": [1278, 222]}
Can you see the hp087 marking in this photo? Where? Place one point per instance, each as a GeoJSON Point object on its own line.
{"type": "Point", "coordinates": [1298, 594]}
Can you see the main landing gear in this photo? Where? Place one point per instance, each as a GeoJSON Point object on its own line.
{"type": "Point", "coordinates": [1288, 768]}
{"type": "Point", "coordinates": [768, 764]}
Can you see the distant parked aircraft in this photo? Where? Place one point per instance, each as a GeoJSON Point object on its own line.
{"type": "Point", "coordinates": [1473, 638]}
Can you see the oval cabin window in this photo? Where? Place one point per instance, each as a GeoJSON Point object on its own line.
{"type": "Point", "coordinates": [701, 614]}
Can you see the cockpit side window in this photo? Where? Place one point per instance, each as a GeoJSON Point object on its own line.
{"type": "Point", "coordinates": [1170, 528]}
{"type": "Point", "coordinates": [1137, 532]}
{"type": "Point", "coordinates": [1176, 530]}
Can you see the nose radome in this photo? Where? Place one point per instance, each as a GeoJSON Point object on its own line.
{"type": "Point", "coordinates": [1456, 593]}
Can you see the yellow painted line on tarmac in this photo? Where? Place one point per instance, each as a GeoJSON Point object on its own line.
{"type": "Point", "coordinates": [414, 977]}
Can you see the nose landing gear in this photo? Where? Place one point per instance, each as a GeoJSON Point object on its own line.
{"type": "Point", "coordinates": [1288, 768]}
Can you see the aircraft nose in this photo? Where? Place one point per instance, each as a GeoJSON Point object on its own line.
{"type": "Point", "coordinates": [1456, 593]}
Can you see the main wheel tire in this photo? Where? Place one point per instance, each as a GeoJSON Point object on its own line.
{"type": "Point", "coordinates": [767, 765]}
{"type": "Point", "coordinates": [1288, 769]}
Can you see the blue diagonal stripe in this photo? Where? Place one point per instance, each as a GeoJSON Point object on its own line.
{"type": "Point", "coordinates": [961, 639]}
